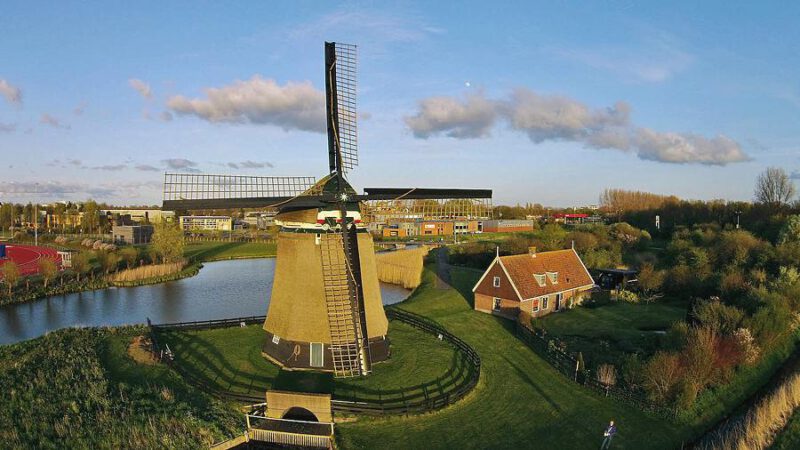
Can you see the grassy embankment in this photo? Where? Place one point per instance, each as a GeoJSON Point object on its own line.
{"type": "Point", "coordinates": [789, 437]}
{"type": "Point", "coordinates": [78, 388]}
{"type": "Point", "coordinates": [229, 359]}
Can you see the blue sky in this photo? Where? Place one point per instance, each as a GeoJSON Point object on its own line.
{"type": "Point", "coordinates": [547, 103]}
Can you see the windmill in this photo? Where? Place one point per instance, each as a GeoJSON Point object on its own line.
{"type": "Point", "coordinates": [325, 312]}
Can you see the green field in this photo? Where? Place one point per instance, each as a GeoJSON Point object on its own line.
{"type": "Point", "coordinates": [606, 332]}
{"type": "Point", "coordinates": [229, 359]}
{"type": "Point", "coordinates": [215, 251]}
{"type": "Point", "coordinates": [520, 402]}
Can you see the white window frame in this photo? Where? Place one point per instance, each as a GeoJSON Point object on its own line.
{"type": "Point", "coordinates": [496, 282]}
{"type": "Point", "coordinates": [276, 339]}
{"type": "Point", "coordinates": [541, 279]}
{"type": "Point", "coordinates": [553, 277]}
{"type": "Point", "coordinates": [560, 299]}
{"type": "Point", "coordinates": [496, 303]}
{"type": "Point", "coordinates": [311, 354]}
{"type": "Point", "coordinates": [545, 302]}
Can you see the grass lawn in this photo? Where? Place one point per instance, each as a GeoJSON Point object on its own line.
{"type": "Point", "coordinates": [606, 332]}
{"type": "Point", "coordinates": [230, 359]}
{"type": "Point", "coordinates": [214, 251]}
{"type": "Point", "coordinates": [520, 402]}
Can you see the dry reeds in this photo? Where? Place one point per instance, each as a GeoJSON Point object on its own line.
{"type": "Point", "coordinates": [402, 267]}
{"type": "Point", "coordinates": [150, 271]}
{"type": "Point", "coordinates": [765, 419]}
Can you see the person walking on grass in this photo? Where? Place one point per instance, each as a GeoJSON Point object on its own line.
{"type": "Point", "coordinates": [608, 435]}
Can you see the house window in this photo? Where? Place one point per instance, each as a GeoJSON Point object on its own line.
{"type": "Point", "coordinates": [544, 302]}
{"type": "Point", "coordinates": [317, 355]}
{"type": "Point", "coordinates": [540, 279]}
{"type": "Point", "coordinates": [559, 298]}
{"type": "Point", "coordinates": [553, 277]}
{"type": "Point", "coordinates": [535, 307]}
{"type": "Point", "coordinates": [496, 304]}
{"type": "Point", "coordinates": [496, 282]}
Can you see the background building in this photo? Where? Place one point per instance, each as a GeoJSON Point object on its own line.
{"type": "Point", "coordinates": [132, 234]}
{"type": "Point", "coordinates": [206, 223]}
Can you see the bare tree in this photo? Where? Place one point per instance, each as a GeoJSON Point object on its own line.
{"type": "Point", "coordinates": [774, 187]}
{"type": "Point", "coordinates": [607, 376]}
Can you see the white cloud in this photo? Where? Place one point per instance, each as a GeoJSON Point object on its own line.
{"type": "Point", "coordinates": [111, 167]}
{"type": "Point", "coordinates": [472, 117]}
{"type": "Point", "coordinates": [7, 127]}
{"type": "Point", "coordinates": [146, 168]}
{"type": "Point", "coordinates": [52, 121]}
{"type": "Point", "coordinates": [141, 87]}
{"type": "Point", "coordinates": [259, 101]}
{"type": "Point", "coordinates": [555, 118]}
{"type": "Point", "coordinates": [11, 93]}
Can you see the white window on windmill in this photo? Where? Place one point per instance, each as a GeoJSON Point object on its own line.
{"type": "Point", "coordinates": [276, 339]}
{"type": "Point", "coordinates": [496, 282]}
{"type": "Point", "coordinates": [540, 279]}
{"type": "Point", "coordinates": [317, 354]}
{"type": "Point", "coordinates": [553, 277]}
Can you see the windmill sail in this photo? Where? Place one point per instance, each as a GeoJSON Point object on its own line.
{"type": "Point", "coordinates": [340, 89]}
{"type": "Point", "coordinates": [205, 191]}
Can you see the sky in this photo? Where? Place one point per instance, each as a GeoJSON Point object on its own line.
{"type": "Point", "coordinates": [542, 102]}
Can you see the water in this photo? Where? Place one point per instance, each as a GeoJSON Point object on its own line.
{"type": "Point", "coordinates": [224, 289]}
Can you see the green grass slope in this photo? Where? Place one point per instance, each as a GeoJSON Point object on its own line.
{"type": "Point", "coordinates": [78, 388]}
{"type": "Point", "coordinates": [521, 402]}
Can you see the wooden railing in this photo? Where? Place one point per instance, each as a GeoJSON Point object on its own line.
{"type": "Point", "coordinates": [435, 394]}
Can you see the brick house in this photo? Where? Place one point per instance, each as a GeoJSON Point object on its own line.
{"type": "Point", "coordinates": [534, 283]}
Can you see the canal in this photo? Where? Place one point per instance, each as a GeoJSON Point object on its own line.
{"type": "Point", "coordinates": [223, 289]}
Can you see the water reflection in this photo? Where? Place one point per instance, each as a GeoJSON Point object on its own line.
{"type": "Point", "coordinates": [221, 290]}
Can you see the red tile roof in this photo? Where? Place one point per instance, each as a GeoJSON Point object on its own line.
{"type": "Point", "coordinates": [572, 273]}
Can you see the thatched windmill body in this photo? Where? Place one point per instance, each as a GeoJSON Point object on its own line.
{"type": "Point", "coordinates": [325, 312]}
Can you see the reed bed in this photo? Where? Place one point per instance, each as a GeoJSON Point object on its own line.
{"type": "Point", "coordinates": [147, 272]}
{"type": "Point", "coordinates": [758, 428]}
{"type": "Point", "coordinates": [401, 267]}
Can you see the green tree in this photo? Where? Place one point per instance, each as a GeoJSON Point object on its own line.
{"type": "Point", "coordinates": [6, 216]}
{"type": "Point", "coordinates": [129, 255]}
{"type": "Point", "coordinates": [790, 232]}
{"type": "Point", "coordinates": [91, 216]}
{"type": "Point", "coordinates": [650, 281]}
{"type": "Point", "coordinates": [168, 242]}
{"type": "Point", "coordinates": [48, 270]}
{"type": "Point", "coordinates": [108, 261]}
{"type": "Point", "coordinates": [11, 275]}
{"type": "Point", "coordinates": [80, 264]}
{"type": "Point", "coordinates": [552, 237]}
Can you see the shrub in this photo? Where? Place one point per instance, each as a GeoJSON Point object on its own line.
{"type": "Point", "coordinates": [661, 375]}
{"type": "Point", "coordinates": [718, 316]}
{"type": "Point", "coordinates": [747, 346]}
{"type": "Point", "coordinates": [607, 376]}
{"type": "Point", "coordinates": [627, 296]}
{"type": "Point", "coordinates": [698, 356]}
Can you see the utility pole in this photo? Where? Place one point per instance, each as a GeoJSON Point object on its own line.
{"type": "Point", "coordinates": [738, 213]}
{"type": "Point", "coordinates": [36, 218]}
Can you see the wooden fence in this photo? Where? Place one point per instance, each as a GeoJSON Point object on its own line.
{"type": "Point", "coordinates": [567, 365]}
{"type": "Point", "coordinates": [435, 394]}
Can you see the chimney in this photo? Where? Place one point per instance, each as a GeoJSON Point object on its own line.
{"type": "Point", "coordinates": [532, 251]}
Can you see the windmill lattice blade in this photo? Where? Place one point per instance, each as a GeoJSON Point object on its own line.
{"type": "Point", "coordinates": [189, 186]}
{"type": "Point", "coordinates": [346, 87]}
